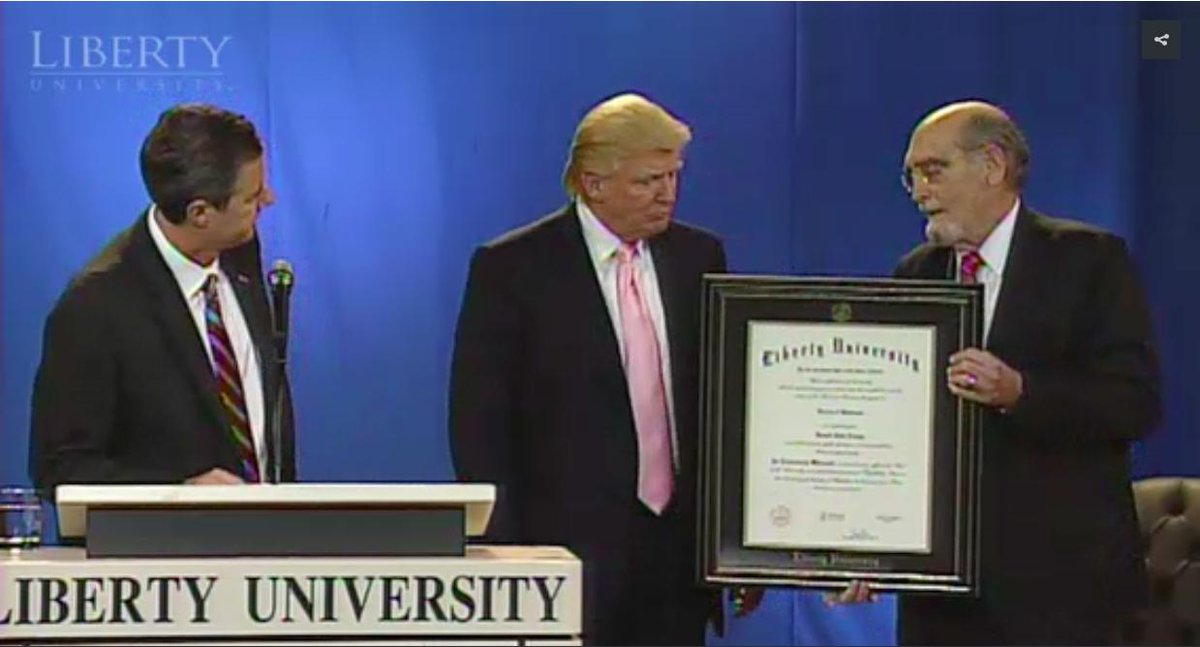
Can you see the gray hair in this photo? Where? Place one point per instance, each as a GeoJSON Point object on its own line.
{"type": "Point", "coordinates": [984, 127]}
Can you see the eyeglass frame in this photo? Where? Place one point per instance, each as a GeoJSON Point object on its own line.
{"type": "Point", "coordinates": [906, 180]}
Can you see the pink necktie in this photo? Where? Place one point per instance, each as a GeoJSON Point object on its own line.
{"type": "Point", "coordinates": [643, 371]}
{"type": "Point", "coordinates": [968, 268]}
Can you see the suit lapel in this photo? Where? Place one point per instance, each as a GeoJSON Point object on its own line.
{"type": "Point", "coordinates": [1018, 289]}
{"type": "Point", "coordinates": [672, 291]}
{"type": "Point", "coordinates": [1020, 286]}
{"type": "Point", "coordinates": [258, 319]}
{"type": "Point", "coordinates": [240, 265]}
{"type": "Point", "coordinates": [932, 263]}
{"type": "Point", "coordinates": [172, 313]}
{"type": "Point", "coordinates": [589, 302]}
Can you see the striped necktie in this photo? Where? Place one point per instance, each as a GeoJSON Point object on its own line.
{"type": "Point", "coordinates": [229, 382]}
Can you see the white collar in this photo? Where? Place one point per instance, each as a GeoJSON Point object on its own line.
{"type": "Point", "coordinates": [602, 243]}
{"type": "Point", "coordinates": [188, 274]}
{"type": "Point", "coordinates": [994, 249]}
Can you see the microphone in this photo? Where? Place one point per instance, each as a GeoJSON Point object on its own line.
{"type": "Point", "coordinates": [280, 279]}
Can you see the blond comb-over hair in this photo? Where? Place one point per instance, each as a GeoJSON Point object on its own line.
{"type": "Point", "coordinates": [618, 128]}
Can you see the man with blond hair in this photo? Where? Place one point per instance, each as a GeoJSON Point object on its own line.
{"type": "Point", "coordinates": [574, 385]}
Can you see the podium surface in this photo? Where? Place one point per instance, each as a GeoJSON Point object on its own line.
{"type": "Point", "coordinates": [75, 500]}
{"type": "Point", "coordinates": [293, 519]}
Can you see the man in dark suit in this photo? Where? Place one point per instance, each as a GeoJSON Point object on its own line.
{"type": "Point", "coordinates": [574, 384]}
{"type": "Point", "coordinates": [157, 364]}
{"type": "Point", "coordinates": [1067, 379]}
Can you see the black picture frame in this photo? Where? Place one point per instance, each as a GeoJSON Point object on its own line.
{"type": "Point", "coordinates": [731, 302]}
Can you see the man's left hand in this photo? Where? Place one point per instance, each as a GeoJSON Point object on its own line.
{"type": "Point", "coordinates": [980, 376]}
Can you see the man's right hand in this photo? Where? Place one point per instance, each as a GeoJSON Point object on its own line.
{"type": "Point", "coordinates": [746, 599]}
{"type": "Point", "coordinates": [857, 593]}
{"type": "Point", "coordinates": [215, 476]}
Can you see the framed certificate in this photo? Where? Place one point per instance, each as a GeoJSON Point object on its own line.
{"type": "Point", "coordinates": [832, 449]}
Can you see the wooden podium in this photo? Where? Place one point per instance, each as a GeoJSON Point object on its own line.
{"type": "Point", "coordinates": [292, 564]}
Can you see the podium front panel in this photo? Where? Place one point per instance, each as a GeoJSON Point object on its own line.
{"type": "Point", "coordinates": [492, 595]}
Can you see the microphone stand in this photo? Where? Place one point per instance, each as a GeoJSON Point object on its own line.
{"type": "Point", "coordinates": [277, 415]}
{"type": "Point", "coordinates": [281, 278]}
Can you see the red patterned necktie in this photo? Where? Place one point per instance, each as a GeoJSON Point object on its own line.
{"type": "Point", "coordinates": [968, 267]}
{"type": "Point", "coordinates": [229, 382]}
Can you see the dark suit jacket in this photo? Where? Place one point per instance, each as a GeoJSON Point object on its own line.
{"type": "Point", "coordinates": [539, 403]}
{"type": "Point", "coordinates": [1060, 545]}
{"type": "Point", "coordinates": [125, 392]}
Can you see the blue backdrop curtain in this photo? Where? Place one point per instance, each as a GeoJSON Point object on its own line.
{"type": "Point", "coordinates": [400, 136]}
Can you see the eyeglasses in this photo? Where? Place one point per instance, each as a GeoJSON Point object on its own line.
{"type": "Point", "coordinates": [930, 171]}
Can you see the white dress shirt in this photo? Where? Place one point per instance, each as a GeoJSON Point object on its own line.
{"type": "Point", "coordinates": [994, 252]}
{"type": "Point", "coordinates": [191, 278]}
{"type": "Point", "coordinates": [603, 246]}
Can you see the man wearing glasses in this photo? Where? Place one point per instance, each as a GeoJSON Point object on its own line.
{"type": "Point", "coordinates": [1067, 378]}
